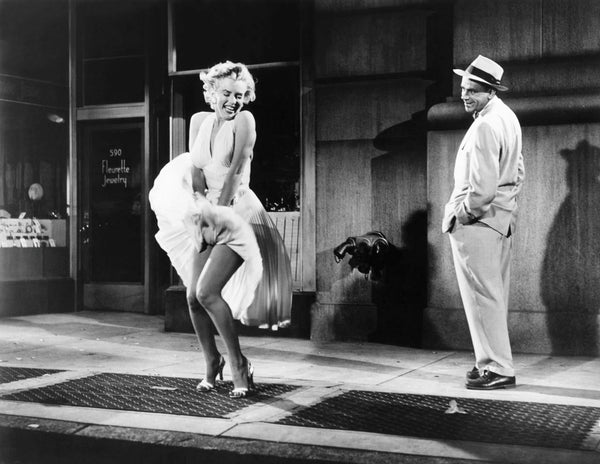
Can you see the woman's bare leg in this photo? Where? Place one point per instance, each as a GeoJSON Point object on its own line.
{"type": "Point", "coordinates": [221, 265]}
{"type": "Point", "coordinates": [203, 325]}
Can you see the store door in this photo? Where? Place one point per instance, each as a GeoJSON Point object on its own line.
{"type": "Point", "coordinates": [112, 226]}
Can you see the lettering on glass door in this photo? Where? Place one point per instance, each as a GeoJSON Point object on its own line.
{"type": "Point", "coordinates": [114, 169]}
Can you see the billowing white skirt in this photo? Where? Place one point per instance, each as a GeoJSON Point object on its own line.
{"type": "Point", "coordinates": [260, 291]}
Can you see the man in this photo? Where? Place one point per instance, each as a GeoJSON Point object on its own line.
{"type": "Point", "coordinates": [480, 219]}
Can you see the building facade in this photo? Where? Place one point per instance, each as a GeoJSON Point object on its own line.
{"type": "Point", "coordinates": [358, 117]}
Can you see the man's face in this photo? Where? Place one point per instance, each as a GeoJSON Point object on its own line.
{"type": "Point", "coordinates": [474, 96]}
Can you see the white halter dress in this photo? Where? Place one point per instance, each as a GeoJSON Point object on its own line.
{"type": "Point", "coordinates": [260, 291]}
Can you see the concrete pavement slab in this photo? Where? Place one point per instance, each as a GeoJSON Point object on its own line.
{"type": "Point", "coordinates": [88, 343]}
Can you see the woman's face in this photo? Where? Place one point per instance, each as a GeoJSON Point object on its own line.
{"type": "Point", "coordinates": [229, 98]}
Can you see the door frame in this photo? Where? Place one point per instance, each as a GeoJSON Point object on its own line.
{"type": "Point", "coordinates": [152, 301]}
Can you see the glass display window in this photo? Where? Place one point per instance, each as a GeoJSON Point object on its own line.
{"type": "Point", "coordinates": [34, 242]}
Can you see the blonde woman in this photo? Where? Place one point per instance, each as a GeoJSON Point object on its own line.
{"type": "Point", "coordinates": [216, 232]}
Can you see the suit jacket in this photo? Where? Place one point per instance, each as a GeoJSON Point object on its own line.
{"type": "Point", "coordinates": [489, 171]}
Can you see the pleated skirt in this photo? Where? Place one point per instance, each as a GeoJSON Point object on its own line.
{"type": "Point", "coordinates": [272, 304]}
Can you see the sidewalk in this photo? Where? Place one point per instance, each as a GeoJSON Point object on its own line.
{"type": "Point", "coordinates": [114, 387]}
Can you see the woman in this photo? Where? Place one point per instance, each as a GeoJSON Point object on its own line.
{"type": "Point", "coordinates": [216, 232]}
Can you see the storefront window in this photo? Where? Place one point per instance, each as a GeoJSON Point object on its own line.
{"type": "Point", "coordinates": [203, 31]}
{"type": "Point", "coordinates": [276, 166]}
{"type": "Point", "coordinates": [33, 197]}
{"type": "Point", "coordinates": [34, 153]}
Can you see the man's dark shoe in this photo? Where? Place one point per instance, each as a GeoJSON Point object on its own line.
{"type": "Point", "coordinates": [473, 374]}
{"type": "Point", "coordinates": [491, 381]}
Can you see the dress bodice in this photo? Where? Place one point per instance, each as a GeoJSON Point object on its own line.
{"type": "Point", "coordinates": [215, 163]}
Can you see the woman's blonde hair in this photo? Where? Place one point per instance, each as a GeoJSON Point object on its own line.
{"type": "Point", "coordinates": [227, 69]}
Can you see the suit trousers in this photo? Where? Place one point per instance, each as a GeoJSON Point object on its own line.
{"type": "Point", "coordinates": [482, 263]}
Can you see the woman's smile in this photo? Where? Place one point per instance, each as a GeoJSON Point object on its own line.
{"type": "Point", "coordinates": [230, 98]}
{"type": "Point", "coordinates": [231, 109]}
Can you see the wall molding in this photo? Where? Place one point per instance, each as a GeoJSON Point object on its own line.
{"type": "Point", "coordinates": [120, 111]}
{"type": "Point", "coordinates": [531, 111]}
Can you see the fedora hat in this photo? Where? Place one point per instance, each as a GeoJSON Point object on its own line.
{"type": "Point", "coordinates": [484, 70]}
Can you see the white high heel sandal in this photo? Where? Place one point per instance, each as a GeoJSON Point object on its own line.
{"type": "Point", "coordinates": [205, 385]}
{"type": "Point", "coordinates": [243, 392]}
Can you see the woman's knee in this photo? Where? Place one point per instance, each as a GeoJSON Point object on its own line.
{"type": "Point", "coordinates": [207, 297]}
{"type": "Point", "coordinates": [192, 302]}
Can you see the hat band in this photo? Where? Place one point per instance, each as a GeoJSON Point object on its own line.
{"type": "Point", "coordinates": [482, 75]}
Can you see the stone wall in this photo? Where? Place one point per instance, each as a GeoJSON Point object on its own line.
{"type": "Point", "coordinates": [551, 58]}
{"type": "Point", "coordinates": [377, 68]}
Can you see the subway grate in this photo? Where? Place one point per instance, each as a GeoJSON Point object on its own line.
{"type": "Point", "coordinates": [423, 416]}
{"type": "Point", "coordinates": [13, 374]}
{"type": "Point", "coordinates": [505, 422]}
{"type": "Point", "coordinates": [142, 393]}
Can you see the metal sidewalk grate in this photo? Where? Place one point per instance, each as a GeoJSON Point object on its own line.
{"type": "Point", "coordinates": [168, 395]}
{"type": "Point", "coordinates": [506, 422]}
{"type": "Point", "coordinates": [12, 374]}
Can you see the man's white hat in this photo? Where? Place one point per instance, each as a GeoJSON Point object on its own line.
{"type": "Point", "coordinates": [484, 70]}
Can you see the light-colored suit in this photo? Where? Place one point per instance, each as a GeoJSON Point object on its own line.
{"type": "Point", "coordinates": [481, 218]}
